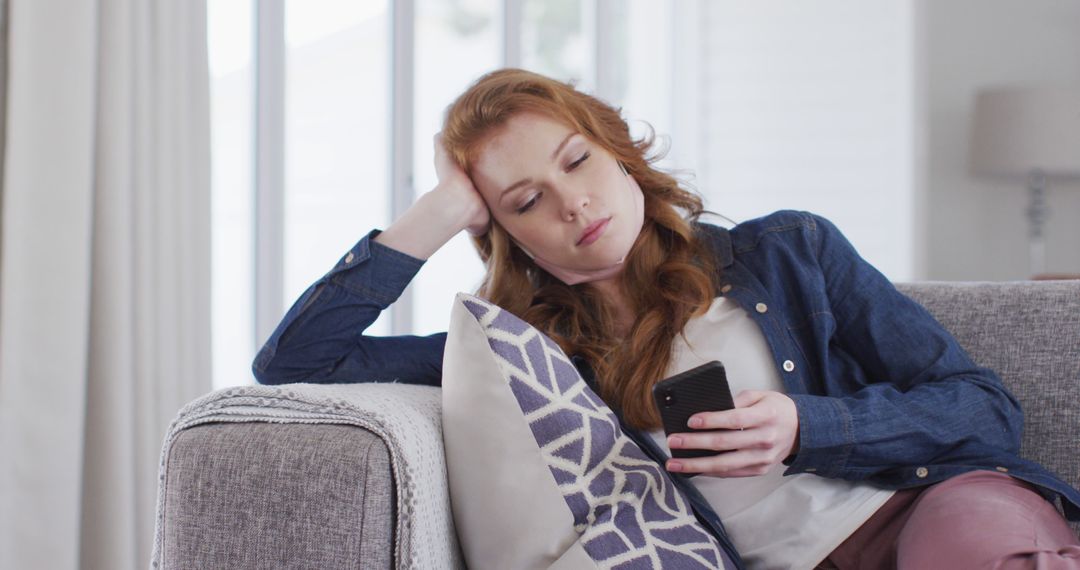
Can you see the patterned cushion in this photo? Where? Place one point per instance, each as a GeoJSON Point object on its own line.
{"type": "Point", "coordinates": [540, 473]}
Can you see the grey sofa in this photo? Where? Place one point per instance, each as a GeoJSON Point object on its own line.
{"type": "Point", "coordinates": [293, 495]}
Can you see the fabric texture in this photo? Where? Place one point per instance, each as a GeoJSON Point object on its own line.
{"type": "Point", "coordinates": [326, 493]}
{"type": "Point", "coordinates": [775, 521]}
{"type": "Point", "coordinates": [105, 285]}
{"type": "Point", "coordinates": [540, 472]}
{"type": "Point", "coordinates": [981, 519]}
{"type": "Point", "coordinates": [1028, 333]}
{"type": "Point", "coordinates": [406, 418]}
{"type": "Point", "coordinates": [871, 395]}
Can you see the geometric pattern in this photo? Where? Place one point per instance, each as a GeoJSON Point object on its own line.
{"type": "Point", "coordinates": [626, 509]}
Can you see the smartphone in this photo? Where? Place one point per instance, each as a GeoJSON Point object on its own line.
{"type": "Point", "coordinates": [701, 389]}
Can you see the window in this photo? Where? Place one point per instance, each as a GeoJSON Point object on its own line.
{"type": "Point", "coordinates": [456, 42]}
{"type": "Point", "coordinates": [553, 40]}
{"type": "Point", "coordinates": [336, 125]}
{"type": "Point", "coordinates": [336, 129]}
{"type": "Point", "coordinates": [229, 34]}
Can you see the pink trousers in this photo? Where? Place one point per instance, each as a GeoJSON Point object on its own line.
{"type": "Point", "coordinates": [981, 519]}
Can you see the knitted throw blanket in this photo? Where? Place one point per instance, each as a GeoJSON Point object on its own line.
{"type": "Point", "coordinates": [406, 417]}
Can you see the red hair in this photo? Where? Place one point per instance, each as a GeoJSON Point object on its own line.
{"type": "Point", "coordinates": [669, 276]}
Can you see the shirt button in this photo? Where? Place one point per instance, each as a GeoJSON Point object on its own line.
{"type": "Point", "coordinates": [725, 288]}
{"type": "Point", "coordinates": [1002, 469]}
{"type": "Point", "coordinates": [789, 366]}
{"type": "Point", "coordinates": [922, 472]}
{"type": "Point", "coordinates": [349, 257]}
{"type": "Point", "coordinates": [761, 307]}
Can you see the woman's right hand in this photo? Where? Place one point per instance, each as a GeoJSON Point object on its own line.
{"type": "Point", "coordinates": [458, 189]}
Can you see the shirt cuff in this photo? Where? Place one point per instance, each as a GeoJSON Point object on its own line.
{"type": "Point", "coordinates": [826, 437]}
{"type": "Point", "coordinates": [375, 270]}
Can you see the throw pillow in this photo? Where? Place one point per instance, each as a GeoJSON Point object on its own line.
{"type": "Point", "coordinates": [540, 473]}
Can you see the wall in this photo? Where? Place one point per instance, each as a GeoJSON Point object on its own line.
{"type": "Point", "coordinates": [812, 106]}
{"type": "Point", "coordinates": [862, 113]}
{"type": "Point", "coordinates": [977, 229]}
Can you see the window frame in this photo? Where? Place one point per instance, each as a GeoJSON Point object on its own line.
{"type": "Point", "coordinates": [269, 127]}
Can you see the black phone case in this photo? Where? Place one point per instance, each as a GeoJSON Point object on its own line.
{"type": "Point", "coordinates": [700, 389]}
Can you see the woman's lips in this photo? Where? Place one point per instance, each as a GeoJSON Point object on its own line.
{"type": "Point", "coordinates": [593, 232]}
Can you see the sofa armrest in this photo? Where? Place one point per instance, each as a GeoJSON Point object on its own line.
{"type": "Point", "coordinates": [278, 495]}
{"type": "Point", "coordinates": [306, 475]}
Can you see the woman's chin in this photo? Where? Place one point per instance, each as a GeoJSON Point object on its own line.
{"type": "Point", "coordinates": [607, 261]}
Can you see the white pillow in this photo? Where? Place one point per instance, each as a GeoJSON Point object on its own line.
{"type": "Point", "coordinates": [540, 473]}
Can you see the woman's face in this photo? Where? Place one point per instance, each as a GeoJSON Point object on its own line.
{"type": "Point", "coordinates": [545, 184]}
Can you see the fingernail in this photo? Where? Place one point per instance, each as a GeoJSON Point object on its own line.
{"type": "Point", "coordinates": [675, 441]}
{"type": "Point", "coordinates": [674, 466]}
{"type": "Point", "coordinates": [695, 422]}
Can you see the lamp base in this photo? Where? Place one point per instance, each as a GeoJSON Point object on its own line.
{"type": "Point", "coordinates": [1036, 215]}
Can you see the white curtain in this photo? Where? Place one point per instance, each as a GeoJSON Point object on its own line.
{"type": "Point", "coordinates": [104, 270]}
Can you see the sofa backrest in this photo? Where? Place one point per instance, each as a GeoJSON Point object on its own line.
{"type": "Point", "coordinates": [1029, 333]}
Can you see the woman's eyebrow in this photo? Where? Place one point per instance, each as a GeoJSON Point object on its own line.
{"type": "Point", "coordinates": [559, 148]}
{"type": "Point", "coordinates": [515, 186]}
{"type": "Point", "coordinates": [525, 181]}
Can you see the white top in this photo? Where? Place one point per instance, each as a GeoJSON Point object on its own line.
{"type": "Point", "coordinates": [774, 521]}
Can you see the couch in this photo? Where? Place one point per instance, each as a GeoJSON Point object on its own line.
{"type": "Point", "coordinates": [257, 494]}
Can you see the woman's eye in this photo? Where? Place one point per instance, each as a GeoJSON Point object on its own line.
{"type": "Point", "coordinates": [577, 162]}
{"type": "Point", "coordinates": [532, 201]}
{"type": "Point", "coordinates": [525, 207]}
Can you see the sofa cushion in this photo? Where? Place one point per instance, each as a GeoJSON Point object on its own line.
{"type": "Point", "coordinates": [1026, 332]}
{"type": "Point", "coordinates": [540, 473]}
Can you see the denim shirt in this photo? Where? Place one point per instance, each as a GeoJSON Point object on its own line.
{"type": "Point", "coordinates": [884, 394]}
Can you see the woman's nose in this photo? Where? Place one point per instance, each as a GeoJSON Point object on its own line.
{"type": "Point", "coordinates": [574, 205]}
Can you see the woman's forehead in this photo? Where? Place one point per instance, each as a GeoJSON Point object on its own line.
{"type": "Point", "coordinates": [531, 134]}
{"type": "Point", "coordinates": [527, 128]}
{"type": "Point", "coordinates": [517, 150]}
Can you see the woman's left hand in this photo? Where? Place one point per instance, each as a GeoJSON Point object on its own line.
{"type": "Point", "coordinates": [759, 433]}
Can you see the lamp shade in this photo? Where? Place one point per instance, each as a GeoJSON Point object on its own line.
{"type": "Point", "coordinates": [1020, 129]}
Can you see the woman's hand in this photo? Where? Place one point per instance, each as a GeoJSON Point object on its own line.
{"type": "Point", "coordinates": [456, 187]}
{"type": "Point", "coordinates": [759, 433]}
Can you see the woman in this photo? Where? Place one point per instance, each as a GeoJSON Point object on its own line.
{"type": "Point", "coordinates": [855, 443]}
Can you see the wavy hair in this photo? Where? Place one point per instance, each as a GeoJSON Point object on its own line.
{"type": "Point", "coordinates": [670, 275]}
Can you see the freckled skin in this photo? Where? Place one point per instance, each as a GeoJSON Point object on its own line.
{"type": "Point", "coordinates": [590, 189]}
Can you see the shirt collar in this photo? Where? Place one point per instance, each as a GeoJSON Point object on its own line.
{"type": "Point", "coordinates": [720, 239]}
